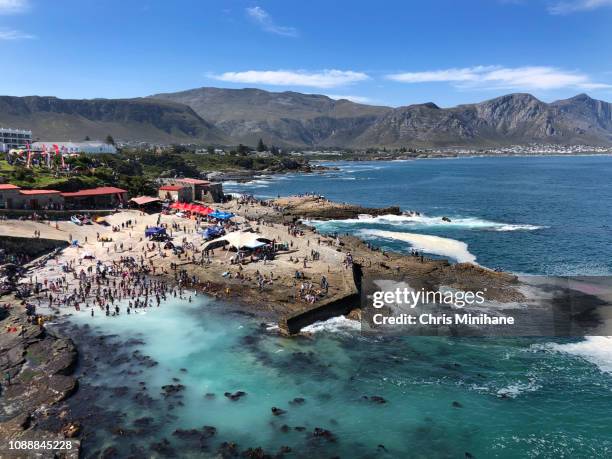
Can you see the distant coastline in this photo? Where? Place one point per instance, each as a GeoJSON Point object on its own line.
{"type": "Point", "coordinates": [454, 156]}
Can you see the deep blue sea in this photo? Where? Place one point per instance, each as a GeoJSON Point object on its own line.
{"type": "Point", "coordinates": [445, 398]}
{"type": "Point", "coordinates": [536, 215]}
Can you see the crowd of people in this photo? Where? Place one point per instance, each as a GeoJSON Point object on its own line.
{"type": "Point", "coordinates": [130, 276]}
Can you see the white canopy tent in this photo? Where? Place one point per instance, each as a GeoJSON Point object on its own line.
{"type": "Point", "coordinates": [239, 240]}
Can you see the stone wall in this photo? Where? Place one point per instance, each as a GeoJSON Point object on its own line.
{"type": "Point", "coordinates": [31, 247]}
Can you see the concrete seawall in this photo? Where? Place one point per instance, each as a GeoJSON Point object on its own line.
{"type": "Point", "coordinates": [32, 247]}
{"type": "Point", "coordinates": [340, 306]}
{"type": "Point", "coordinates": [53, 214]}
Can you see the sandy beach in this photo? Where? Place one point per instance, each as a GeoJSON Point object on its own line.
{"type": "Point", "coordinates": [272, 287]}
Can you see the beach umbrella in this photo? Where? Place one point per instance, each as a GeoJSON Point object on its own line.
{"type": "Point", "coordinates": [204, 210]}
{"type": "Point", "coordinates": [175, 205]}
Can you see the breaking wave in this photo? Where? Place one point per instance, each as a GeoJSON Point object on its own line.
{"type": "Point", "coordinates": [594, 349]}
{"type": "Point", "coordinates": [259, 183]}
{"type": "Point", "coordinates": [334, 325]}
{"type": "Point", "coordinates": [423, 221]}
{"type": "Point", "coordinates": [431, 244]}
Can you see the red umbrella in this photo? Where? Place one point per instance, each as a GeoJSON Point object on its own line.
{"type": "Point", "coordinates": [207, 210]}
{"type": "Point", "coordinates": [175, 205]}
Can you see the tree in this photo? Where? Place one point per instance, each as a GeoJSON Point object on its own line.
{"type": "Point", "coordinates": [110, 140]}
{"type": "Point", "coordinates": [261, 146]}
{"type": "Point", "coordinates": [242, 150]}
{"type": "Point", "coordinates": [178, 149]}
{"type": "Point", "coordinates": [246, 163]}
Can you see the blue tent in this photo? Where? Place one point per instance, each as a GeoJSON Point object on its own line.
{"type": "Point", "coordinates": [220, 215]}
{"type": "Point", "coordinates": [213, 232]}
{"type": "Point", "coordinates": [155, 231]}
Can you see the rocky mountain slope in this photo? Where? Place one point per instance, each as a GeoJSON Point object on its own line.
{"type": "Point", "coordinates": [125, 119]}
{"type": "Point", "coordinates": [511, 119]}
{"type": "Point", "coordinates": [281, 118]}
{"type": "Point", "coordinates": [289, 119]}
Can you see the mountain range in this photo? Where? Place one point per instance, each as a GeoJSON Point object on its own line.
{"type": "Point", "coordinates": [291, 119]}
{"type": "Point", "coordinates": [140, 119]}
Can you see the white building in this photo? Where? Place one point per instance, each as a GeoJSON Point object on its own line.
{"type": "Point", "coordinates": [77, 147]}
{"type": "Point", "coordinates": [14, 138]}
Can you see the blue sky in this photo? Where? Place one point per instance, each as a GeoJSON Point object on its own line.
{"type": "Point", "coordinates": [388, 52]}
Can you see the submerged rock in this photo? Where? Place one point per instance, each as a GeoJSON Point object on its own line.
{"type": "Point", "coordinates": [228, 449]}
{"type": "Point", "coordinates": [172, 389]}
{"type": "Point", "coordinates": [143, 422]}
{"type": "Point", "coordinates": [199, 436]}
{"type": "Point", "coordinates": [375, 399]}
{"type": "Point", "coordinates": [255, 453]}
{"type": "Point", "coordinates": [236, 395]}
{"type": "Point", "coordinates": [297, 401]}
{"type": "Point", "coordinates": [163, 447]}
{"type": "Point", "coordinates": [110, 453]}
{"type": "Point", "coordinates": [319, 432]}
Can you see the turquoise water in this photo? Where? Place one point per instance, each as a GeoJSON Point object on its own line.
{"type": "Point", "coordinates": [444, 397]}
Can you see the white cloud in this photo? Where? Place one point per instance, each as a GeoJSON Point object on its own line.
{"type": "Point", "coordinates": [6, 34]}
{"type": "Point", "coordinates": [572, 6]}
{"type": "Point", "coordinates": [539, 77]}
{"type": "Point", "coordinates": [320, 79]}
{"type": "Point", "coordinates": [357, 99]}
{"type": "Point", "coordinates": [13, 6]}
{"type": "Point", "coordinates": [265, 21]}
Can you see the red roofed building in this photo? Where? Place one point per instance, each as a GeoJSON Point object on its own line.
{"type": "Point", "coordinates": [9, 196]}
{"type": "Point", "coordinates": [201, 190]}
{"type": "Point", "coordinates": [103, 197]}
{"type": "Point", "coordinates": [41, 199]}
{"type": "Point", "coordinates": [193, 181]}
{"type": "Point", "coordinates": [8, 186]}
{"type": "Point", "coordinates": [38, 192]}
{"type": "Point", "coordinates": [13, 197]}
{"type": "Point", "coordinates": [177, 193]}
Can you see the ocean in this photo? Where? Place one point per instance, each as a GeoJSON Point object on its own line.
{"type": "Point", "coordinates": [439, 397]}
{"type": "Point", "coordinates": [533, 215]}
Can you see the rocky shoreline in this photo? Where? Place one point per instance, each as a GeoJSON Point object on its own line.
{"type": "Point", "coordinates": [38, 377]}
{"type": "Point", "coordinates": [319, 208]}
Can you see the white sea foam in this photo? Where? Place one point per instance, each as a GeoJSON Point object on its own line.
{"type": "Point", "coordinates": [594, 349]}
{"type": "Point", "coordinates": [426, 221]}
{"type": "Point", "coordinates": [431, 244]}
{"type": "Point", "coordinates": [516, 389]}
{"type": "Point", "coordinates": [334, 325]}
{"type": "Point", "coordinates": [231, 184]}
